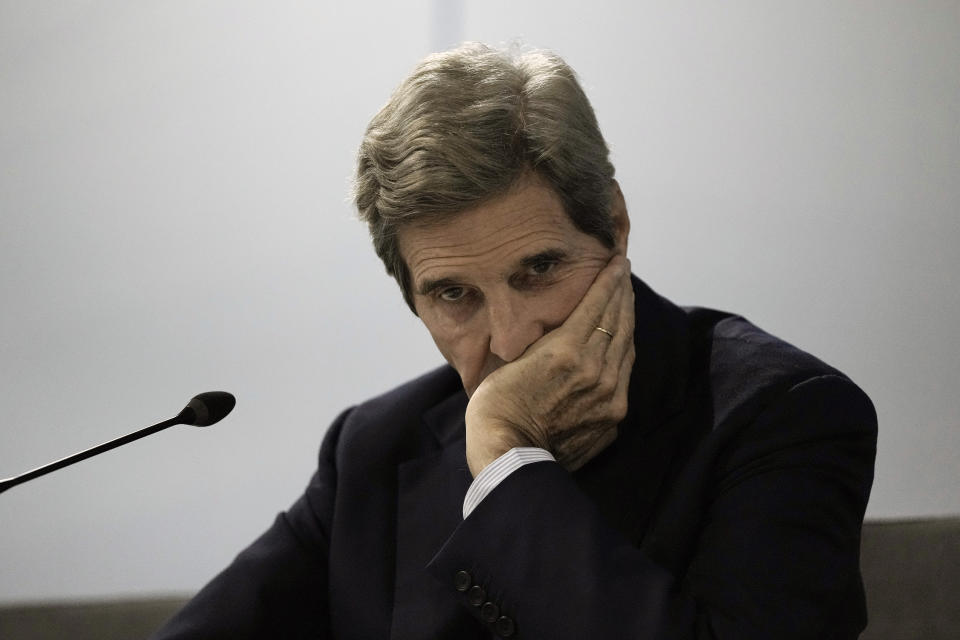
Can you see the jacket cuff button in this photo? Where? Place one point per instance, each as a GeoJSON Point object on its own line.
{"type": "Point", "coordinates": [462, 581]}
{"type": "Point", "coordinates": [489, 612]}
{"type": "Point", "coordinates": [476, 595]}
{"type": "Point", "coordinates": [505, 627]}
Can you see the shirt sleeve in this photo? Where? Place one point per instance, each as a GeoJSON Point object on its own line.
{"type": "Point", "coordinates": [495, 472]}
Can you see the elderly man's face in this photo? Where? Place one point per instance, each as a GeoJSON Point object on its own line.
{"type": "Point", "coordinates": [497, 277]}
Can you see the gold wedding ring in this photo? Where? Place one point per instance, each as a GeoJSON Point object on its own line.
{"type": "Point", "coordinates": [604, 331]}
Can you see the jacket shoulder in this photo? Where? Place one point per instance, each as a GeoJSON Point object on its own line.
{"type": "Point", "coordinates": [749, 368]}
{"type": "Point", "coordinates": [414, 396]}
{"type": "Point", "coordinates": [391, 424]}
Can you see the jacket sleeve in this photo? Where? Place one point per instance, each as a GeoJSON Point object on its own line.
{"type": "Point", "coordinates": [276, 587]}
{"type": "Point", "coordinates": [773, 543]}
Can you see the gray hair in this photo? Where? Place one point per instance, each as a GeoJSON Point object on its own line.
{"type": "Point", "coordinates": [464, 127]}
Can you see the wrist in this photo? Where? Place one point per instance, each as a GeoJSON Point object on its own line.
{"type": "Point", "coordinates": [486, 441]}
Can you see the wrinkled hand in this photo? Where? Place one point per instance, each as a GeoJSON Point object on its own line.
{"type": "Point", "coordinates": [568, 391]}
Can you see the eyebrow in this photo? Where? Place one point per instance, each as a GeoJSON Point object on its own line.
{"type": "Point", "coordinates": [550, 255]}
{"type": "Point", "coordinates": [428, 286]}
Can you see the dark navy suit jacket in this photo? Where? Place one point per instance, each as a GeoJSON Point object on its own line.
{"type": "Point", "coordinates": [730, 506]}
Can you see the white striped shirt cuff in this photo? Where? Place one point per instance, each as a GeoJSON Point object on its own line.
{"type": "Point", "coordinates": [495, 472]}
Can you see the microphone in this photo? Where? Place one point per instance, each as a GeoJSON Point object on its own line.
{"type": "Point", "coordinates": [202, 411]}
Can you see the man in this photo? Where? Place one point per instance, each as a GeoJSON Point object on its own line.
{"type": "Point", "coordinates": [618, 467]}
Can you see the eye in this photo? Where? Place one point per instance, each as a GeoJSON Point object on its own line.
{"type": "Point", "coordinates": [543, 267]}
{"type": "Point", "coordinates": [452, 294]}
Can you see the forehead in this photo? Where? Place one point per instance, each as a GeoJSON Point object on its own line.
{"type": "Point", "coordinates": [528, 219]}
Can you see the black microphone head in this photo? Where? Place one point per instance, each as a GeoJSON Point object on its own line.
{"type": "Point", "coordinates": [208, 408]}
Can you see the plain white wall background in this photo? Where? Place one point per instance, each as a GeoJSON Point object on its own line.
{"type": "Point", "coordinates": [173, 193]}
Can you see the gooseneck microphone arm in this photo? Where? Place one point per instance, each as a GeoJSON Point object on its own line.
{"type": "Point", "coordinates": [83, 455]}
{"type": "Point", "coordinates": [203, 410]}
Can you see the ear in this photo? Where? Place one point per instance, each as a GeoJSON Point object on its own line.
{"type": "Point", "coordinates": [621, 221]}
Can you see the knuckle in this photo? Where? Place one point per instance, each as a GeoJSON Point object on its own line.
{"type": "Point", "coordinates": [609, 380]}
{"type": "Point", "coordinates": [591, 374]}
{"type": "Point", "coordinates": [619, 407]}
{"type": "Point", "coordinates": [564, 358]}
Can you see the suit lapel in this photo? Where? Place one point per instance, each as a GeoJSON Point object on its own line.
{"type": "Point", "coordinates": [430, 496]}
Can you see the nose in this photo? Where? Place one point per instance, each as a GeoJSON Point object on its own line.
{"type": "Point", "coordinates": [513, 325]}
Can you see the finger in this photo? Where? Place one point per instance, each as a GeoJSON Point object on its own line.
{"type": "Point", "coordinates": [589, 313]}
{"type": "Point", "coordinates": [612, 393]}
{"type": "Point", "coordinates": [611, 337]}
{"type": "Point", "coordinates": [622, 325]}
{"type": "Point", "coordinates": [614, 316]}
{"type": "Point", "coordinates": [627, 320]}
{"type": "Point", "coordinates": [619, 402]}
{"type": "Point", "coordinates": [618, 359]}
{"type": "Point", "coordinates": [605, 329]}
